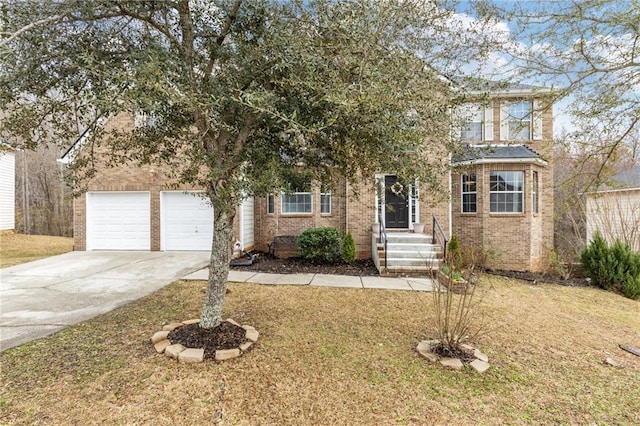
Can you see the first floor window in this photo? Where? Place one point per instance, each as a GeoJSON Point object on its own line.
{"type": "Point", "coordinates": [271, 205]}
{"type": "Point", "coordinates": [469, 193]}
{"type": "Point", "coordinates": [325, 199]}
{"type": "Point", "coordinates": [506, 191]}
{"type": "Point", "coordinates": [299, 199]}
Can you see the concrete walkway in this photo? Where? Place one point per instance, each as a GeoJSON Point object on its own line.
{"type": "Point", "coordinates": [321, 280]}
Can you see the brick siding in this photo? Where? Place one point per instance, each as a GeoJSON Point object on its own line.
{"type": "Point", "coordinates": [520, 241]}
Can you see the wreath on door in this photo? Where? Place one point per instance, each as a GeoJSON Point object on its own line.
{"type": "Point", "coordinates": [397, 188]}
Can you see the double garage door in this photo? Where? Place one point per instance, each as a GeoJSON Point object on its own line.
{"type": "Point", "coordinates": [122, 221]}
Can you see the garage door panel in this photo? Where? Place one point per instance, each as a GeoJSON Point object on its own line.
{"type": "Point", "coordinates": [247, 222]}
{"type": "Point", "coordinates": [187, 221]}
{"type": "Point", "coordinates": [118, 221]}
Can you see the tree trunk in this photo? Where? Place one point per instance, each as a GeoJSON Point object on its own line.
{"type": "Point", "coordinates": [221, 250]}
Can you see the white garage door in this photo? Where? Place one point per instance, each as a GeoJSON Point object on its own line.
{"type": "Point", "coordinates": [118, 221]}
{"type": "Point", "coordinates": [246, 220]}
{"type": "Point", "coordinates": [187, 221]}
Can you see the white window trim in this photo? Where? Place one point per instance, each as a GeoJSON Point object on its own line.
{"type": "Point", "coordinates": [282, 203]}
{"type": "Point", "coordinates": [535, 122]}
{"type": "Point", "coordinates": [486, 122]}
{"type": "Point", "coordinates": [144, 119]}
{"type": "Point", "coordinates": [474, 111]}
{"type": "Point", "coordinates": [414, 202]}
{"type": "Point", "coordinates": [522, 192]}
{"type": "Point", "coordinates": [272, 198]}
{"type": "Point", "coordinates": [326, 194]}
{"type": "Point", "coordinates": [463, 193]}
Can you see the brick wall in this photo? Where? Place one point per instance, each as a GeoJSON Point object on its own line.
{"type": "Point", "coordinates": [519, 241]}
{"type": "Point", "coordinates": [268, 225]}
{"type": "Point", "coordinates": [151, 178]}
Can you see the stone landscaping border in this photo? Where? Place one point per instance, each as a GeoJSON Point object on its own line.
{"type": "Point", "coordinates": [193, 355]}
{"type": "Point", "coordinates": [480, 363]}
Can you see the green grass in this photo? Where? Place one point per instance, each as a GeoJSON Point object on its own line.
{"type": "Point", "coordinates": [337, 356]}
{"type": "Point", "coordinates": [19, 248]}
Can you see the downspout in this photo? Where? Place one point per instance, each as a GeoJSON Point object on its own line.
{"type": "Point", "coordinates": [346, 206]}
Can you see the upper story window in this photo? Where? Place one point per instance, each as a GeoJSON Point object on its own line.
{"type": "Point", "coordinates": [469, 193]}
{"type": "Point", "coordinates": [506, 192]}
{"type": "Point", "coordinates": [519, 120]}
{"type": "Point", "coordinates": [472, 122]}
{"type": "Point", "coordinates": [299, 199]}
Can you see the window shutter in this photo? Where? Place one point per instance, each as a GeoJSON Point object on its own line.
{"type": "Point", "coordinates": [504, 121]}
{"type": "Point", "coordinates": [537, 121]}
{"type": "Point", "coordinates": [488, 123]}
{"type": "Point", "coordinates": [456, 123]}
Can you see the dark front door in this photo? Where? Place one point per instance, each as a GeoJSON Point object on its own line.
{"type": "Point", "coordinates": [396, 206]}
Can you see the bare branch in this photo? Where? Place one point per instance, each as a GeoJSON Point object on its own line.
{"type": "Point", "coordinates": [31, 26]}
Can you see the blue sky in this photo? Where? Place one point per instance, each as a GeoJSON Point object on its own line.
{"type": "Point", "coordinates": [562, 120]}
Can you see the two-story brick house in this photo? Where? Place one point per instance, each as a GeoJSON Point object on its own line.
{"type": "Point", "coordinates": [500, 190]}
{"type": "Point", "coordinates": [498, 196]}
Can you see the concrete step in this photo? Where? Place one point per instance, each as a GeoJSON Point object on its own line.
{"type": "Point", "coordinates": [408, 272]}
{"type": "Point", "coordinates": [410, 262]}
{"type": "Point", "coordinates": [393, 246]}
{"type": "Point", "coordinates": [409, 238]}
{"type": "Point", "coordinates": [417, 253]}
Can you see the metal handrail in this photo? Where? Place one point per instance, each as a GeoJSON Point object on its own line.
{"type": "Point", "coordinates": [383, 237]}
{"type": "Point", "coordinates": [434, 238]}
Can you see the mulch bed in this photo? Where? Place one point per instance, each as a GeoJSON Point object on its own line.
{"type": "Point", "coordinates": [268, 263]}
{"type": "Point", "coordinates": [224, 336]}
{"type": "Point", "coordinates": [540, 278]}
{"type": "Point", "coordinates": [460, 353]}
{"type": "Point", "coordinates": [265, 262]}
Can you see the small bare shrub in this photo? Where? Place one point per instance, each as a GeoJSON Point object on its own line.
{"type": "Point", "coordinates": [457, 312]}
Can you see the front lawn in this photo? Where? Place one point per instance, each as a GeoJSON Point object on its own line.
{"type": "Point", "coordinates": [20, 248]}
{"type": "Point", "coordinates": [337, 356]}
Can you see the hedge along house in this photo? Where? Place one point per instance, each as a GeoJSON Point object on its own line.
{"type": "Point", "coordinates": [498, 197]}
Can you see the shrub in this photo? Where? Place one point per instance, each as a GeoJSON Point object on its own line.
{"type": "Point", "coordinates": [631, 287]}
{"type": "Point", "coordinates": [349, 249]}
{"type": "Point", "coordinates": [612, 268]}
{"type": "Point", "coordinates": [595, 262]}
{"type": "Point", "coordinates": [320, 245]}
{"type": "Point", "coordinates": [454, 253]}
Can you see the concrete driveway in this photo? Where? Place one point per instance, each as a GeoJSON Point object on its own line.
{"type": "Point", "coordinates": [45, 296]}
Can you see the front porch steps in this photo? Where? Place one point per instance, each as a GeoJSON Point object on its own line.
{"type": "Point", "coordinates": [408, 254]}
